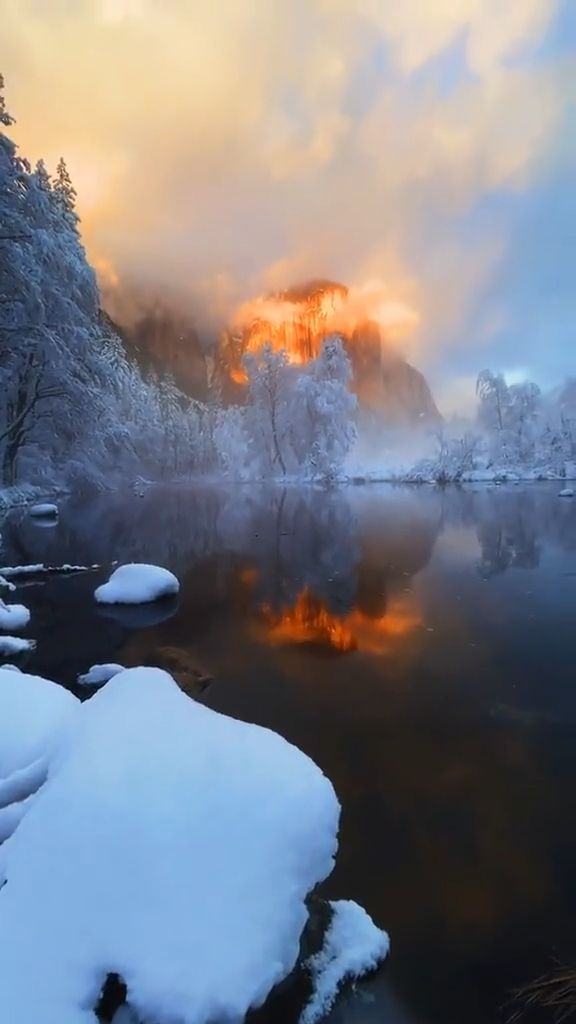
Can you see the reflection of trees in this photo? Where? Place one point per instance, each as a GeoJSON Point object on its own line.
{"type": "Point", "coordinates": [513, 524]}
{"type": "Point", "coordinates": [507, 545]}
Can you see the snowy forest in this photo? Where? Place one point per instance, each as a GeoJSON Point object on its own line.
{"type": "Point", "coordinates": [76, 409]}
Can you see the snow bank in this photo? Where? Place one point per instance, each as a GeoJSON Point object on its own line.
{"type": "Point", "coordinates": [172, 845]}
{"type": "Point", "coordinates": [100, 674]}
{"type": "Point", "coordinates": [353, 946]}
{"type": "Point", "coordinates": [136, 584]}
{"type": "Point", "coordinates": [43, 510]}
{"type": "Point", "coordinates": [13, 616]}
{"type": "Point", "coordinates": [10, 645]}
{"type": "Point", "coordinates": [34, 715]}
{"type": "Point", "coordinates": [568, 492]}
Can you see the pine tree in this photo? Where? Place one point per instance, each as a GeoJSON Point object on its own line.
{"type": "Point", "coordinates": [64, 191]}
{"type": "Point", "coordinates": [5, 117]}
{"type": "Point", "coordinates": [42, 177]}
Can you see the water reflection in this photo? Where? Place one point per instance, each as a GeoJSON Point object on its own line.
{"type": "Point", "coordinates": [310, 621]}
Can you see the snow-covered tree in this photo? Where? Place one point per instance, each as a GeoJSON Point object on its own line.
{"type": "Point", "coordinates": [269, 386]}
{"type": "Point", "coordinates": [5, 117]}
{"type": "Point", "coordinates": [65, 192]}
{"type": "Point", "coordinates": [71, 403]}
{"type": "Point", "coordinates": [323, 424]}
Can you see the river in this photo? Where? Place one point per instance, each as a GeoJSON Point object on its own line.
{"type": "Point", "coordinates": [420, 645]}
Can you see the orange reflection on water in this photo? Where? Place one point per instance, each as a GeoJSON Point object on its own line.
{"type": "Point", "coordinates": [310, 621]}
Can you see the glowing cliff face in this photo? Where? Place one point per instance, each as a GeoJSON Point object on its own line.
{"type": "Point", "coordinates": [299, 320]}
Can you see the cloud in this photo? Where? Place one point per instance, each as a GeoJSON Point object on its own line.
{"type": "Point", "coordinates": [217, 152]}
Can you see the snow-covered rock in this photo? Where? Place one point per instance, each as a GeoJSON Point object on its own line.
{"type": "Point", "coordinates": [10, 645]}
{"type": "Point", "coordinates": [43, 511]}
{"type": "Point", "coordinates": [13, 616]}
{"type": "Point", "coordinates": [100, 674]}
{"type": "Point", "coordinates": [353, 946]}
{"type": "Point", "coordinates": [567, 492]}
{"type": "Point", "coordinates": [34, 714]}
{"type": "Point", "coordinates": [172, 845]}
{"type": "Point", "coordinates": [136, 584]}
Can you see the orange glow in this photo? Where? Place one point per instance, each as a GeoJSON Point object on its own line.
{"type": "Point", "coordinates": [309, 621]}
{"type": "Point", "coordinates": [300, 319]}
{"type": "Point", "coordinates": [238, 375]}
{"type": "Point", "coordinates": [106, 271]}
{"type": "Point", "coordinates": [248, 577]}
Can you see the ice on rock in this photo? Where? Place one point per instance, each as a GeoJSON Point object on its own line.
{"type": "Point", "coordinates": [13, 616]}
{"type": "Point", "coordinates": [100, 674]}
{"type": "Point", "coordinates": [172, 845]}
{"type": "Point", "coordinates": [353, 946]}
{"type": "Point", "coordinates": [567, 492]}
{"type": "Point", "coordinates": [35, 714]}
{"type": "Point", "coordinates": [136, 584]}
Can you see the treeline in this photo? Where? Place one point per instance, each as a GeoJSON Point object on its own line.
{"type": "Point", "coordinates": [518, 431]}
{"type": "Point", "coordinates": [73, 407]}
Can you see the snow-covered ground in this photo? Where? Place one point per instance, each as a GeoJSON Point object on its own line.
{"type": "Point", "coordinates": [170, 844]}
{"type": "Point", "coordinates": [137, 584]}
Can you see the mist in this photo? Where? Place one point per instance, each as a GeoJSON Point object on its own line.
{"type": "Point", "coordinates": [222, 151]}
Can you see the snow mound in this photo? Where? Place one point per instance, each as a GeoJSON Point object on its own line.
{"type": "Point", "coordinates": [137, 584]}
{"type": "Point", "coordinates": [34, 714]}
{"type": "Point", "coordinates": [43, 510]}
{"type": "Point", "coordinates": [100, 674]}
{"type": "Point", "coordinates": [10, 645]}
{"type": "Point", "coordinates": [568, 492]}
{"type": "Point", "coordinates": [172, 845]}
{"type": "Point", "coordinates": [13, 616]}
{"type": "Point", "coordinates": [353, 946]}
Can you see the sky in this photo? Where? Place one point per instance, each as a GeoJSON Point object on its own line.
{"type": "Point", "coordinates": [421, 149]}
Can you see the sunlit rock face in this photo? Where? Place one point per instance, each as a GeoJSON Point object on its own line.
{"type": "Point", "coordinates": [389, 389]}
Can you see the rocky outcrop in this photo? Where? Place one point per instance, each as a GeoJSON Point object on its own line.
{"type": "Point", "coordinates": [390, 390]}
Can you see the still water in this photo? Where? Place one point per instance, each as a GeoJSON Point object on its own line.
{"type": "Point", "coordinates": [421, 646]}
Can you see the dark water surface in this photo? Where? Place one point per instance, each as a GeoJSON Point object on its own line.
{"type": "Point", "coordinates": [421, 647]}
